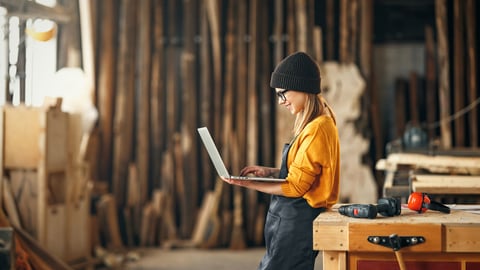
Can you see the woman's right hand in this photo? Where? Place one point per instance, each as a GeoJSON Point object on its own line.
{"type": "Point", "coordinates": [259, 171]}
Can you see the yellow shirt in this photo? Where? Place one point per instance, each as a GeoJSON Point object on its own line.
{"type": "Point", "coordinates": [314, 164]}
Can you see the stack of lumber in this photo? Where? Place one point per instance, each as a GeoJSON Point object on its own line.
{"type": "Point", "coordinates": [434, 174]}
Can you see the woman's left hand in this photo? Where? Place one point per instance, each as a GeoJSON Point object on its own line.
{"type": "Point", "coordinates": [243, 183]}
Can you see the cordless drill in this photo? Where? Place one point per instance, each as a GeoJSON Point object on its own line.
{"type": "Point", "coordinates": [388, 207]}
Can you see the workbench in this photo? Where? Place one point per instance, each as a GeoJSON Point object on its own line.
{"type": "Point", "coordinates": [443, 241]}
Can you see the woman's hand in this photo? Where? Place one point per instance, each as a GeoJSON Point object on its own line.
{"type": "Point", "coordinates": [242, 183]}
{"type": "Point", "coordinates": [259, 171]}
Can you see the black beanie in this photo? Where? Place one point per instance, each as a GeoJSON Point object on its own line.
{"type": "Point", "coordinates": [298, 72]}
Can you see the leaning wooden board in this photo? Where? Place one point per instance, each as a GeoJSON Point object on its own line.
{"type": "Point", "coordinates": [452, 241]}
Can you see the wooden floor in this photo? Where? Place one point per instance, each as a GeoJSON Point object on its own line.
{"type": "Point", "coordinates": [198, 259]}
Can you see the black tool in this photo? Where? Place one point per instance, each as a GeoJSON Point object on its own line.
{"type": "Point", "coordinates": [388, 207]}
{"type": "Point", "coordinates": [358, 210]}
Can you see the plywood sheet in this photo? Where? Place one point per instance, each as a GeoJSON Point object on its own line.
{"type": "Point", "coordinates": [22, 129]}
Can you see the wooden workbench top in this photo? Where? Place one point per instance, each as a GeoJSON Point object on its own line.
{"type": "Point", "coordinates": [458, 231]}
{"type": "Point", "coordinates": [407, 217]}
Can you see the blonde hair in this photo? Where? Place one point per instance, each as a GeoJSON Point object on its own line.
{"type": "Point", "coordinates": [315, 105]}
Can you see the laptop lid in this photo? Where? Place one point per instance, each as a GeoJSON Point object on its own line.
{"type": "Point", "coordinates": [213, 152]}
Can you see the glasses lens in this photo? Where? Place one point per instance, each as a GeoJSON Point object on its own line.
{"type": "Point", "coordinates": [281, 95]}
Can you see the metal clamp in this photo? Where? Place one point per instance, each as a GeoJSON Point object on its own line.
{"type": "Point", "coordinates": [396, 242]}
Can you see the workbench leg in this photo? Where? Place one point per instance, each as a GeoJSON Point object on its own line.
{"type": "Point", "coordinates": [334, 260]}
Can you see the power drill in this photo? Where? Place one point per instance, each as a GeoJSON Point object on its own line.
{"type": "Point", "coordinates": [388, 207]}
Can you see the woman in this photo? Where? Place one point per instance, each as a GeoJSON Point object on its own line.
{"type": "Point", "coordinates": [310, 165]}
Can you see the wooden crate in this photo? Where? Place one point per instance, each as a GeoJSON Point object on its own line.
{"type": "Point", "coordinates": [452, 240]}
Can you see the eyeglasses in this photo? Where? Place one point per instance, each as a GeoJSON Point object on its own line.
{"type": "Point", "coordinates": [281, 95]}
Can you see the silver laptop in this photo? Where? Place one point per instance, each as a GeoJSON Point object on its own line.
{"type": "Point", "coordinates": [218, 162]}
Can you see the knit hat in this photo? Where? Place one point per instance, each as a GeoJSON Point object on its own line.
{"type": "Point", "coordinates": [298, 72]}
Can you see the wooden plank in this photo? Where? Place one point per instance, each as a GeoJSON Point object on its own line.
{"type": "Point", "coordinates": [458, 71]}
{"type": "Point", "coordinates": [318, 44]}
{"type": "Point", "coordinates": [278, 24]}
{"type": "Point", "coordinates": [124, 100]}
{"type": "Point", "coordinates": [76, 167]}
{"type": "Point", "coordinates": [157, 99]}
{"type": "Point", "coordinates": [334, 260]}
{"type": "Point", "coordinates": [55, 233]}
{"type": "Point", "coordinates": [437, 164]}
{"type": "Point", "coordinates": [78, 241]}
{"type": "Point", "coordinates": [158, 204]}
{"type": "Point", "coordinates": [88, 41]}
{"type": "Point", "coordinates": [206, 91]}
{"type": "Point", "coordinates": [133, 188]}
{"type": "Point", "coordinates": [462, 238]}
{"type": "Point", "coordinates": [330, 29]}
{"type": "Point", "coordinates": [184, 210]}
{"type": "Point", "coordinates": [172, 83]}
{"type": "Point", "coordinates": [470, 19]}
{"type": "Point", "coordinates": [252, 132]}
{"type": "Point", "coordinates": [301, 22]}
{"type": "Point", "coordinates": [310, 13]}
{"type": "Point", "coordinates": [210, 220]}
{"type": "Point", "coordinates": [42, 200]}
{"type": "Point", "coordinates": [56, 143]}
{"type": "Point", "coordinates": [446, 184]}
{"type": "Point", "coordinates": [143, 100]}
{"type": "Point", "coordinates": [106, 87]}
{"type": "Point", "coordinates": [344, 37]}
{"type": "Point", "coordinates": [147, 225]}
{"type": "Point", "coordinates": [213, 16]}
{"type": "Point", "coordinates": [291, 27]}
{"type": "Point", "coordinates": [108, 218]}
{"type": "Point", "coordinates": [444, 70]}
{"type": "Point", "coordinates": [430, 80]}
{"type": "Point", "coordinates": [168, 186]}
{"type": "Point", "coordinates": [366, 39]}
{"type": "Point", "coordinates": [353, 14]}
{"type": "Point", "coordinates": [189, 100]}
{"type": "Point", "coordinates": [236, 140]}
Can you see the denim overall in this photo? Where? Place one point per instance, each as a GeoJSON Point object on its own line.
{"type": "Point", "coordinates": [289, 230]}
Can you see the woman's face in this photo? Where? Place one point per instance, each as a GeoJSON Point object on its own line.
{"type": "Point", "coordinates": [294, 101]}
